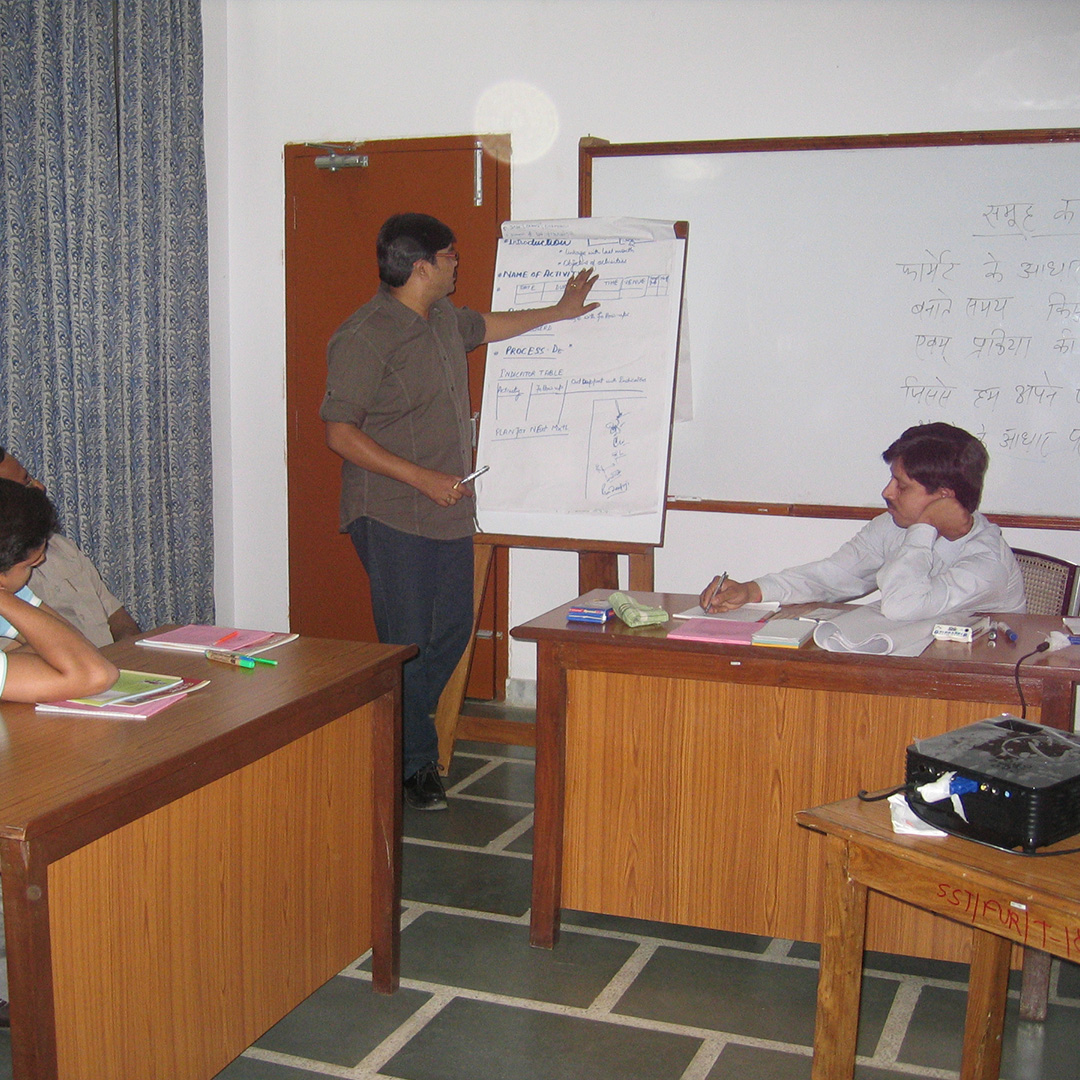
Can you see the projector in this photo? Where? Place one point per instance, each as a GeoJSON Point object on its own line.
{"type": "Point", "coordinates": [1017, 783]}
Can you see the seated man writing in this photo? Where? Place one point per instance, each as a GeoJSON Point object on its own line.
{"type": "Point", "coordinates": [69, 582]}
{"type": "Point", "coordinates": [929, 554]}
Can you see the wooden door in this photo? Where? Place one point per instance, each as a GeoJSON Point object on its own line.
{"type": "Point", "coordinates": [332, 217]}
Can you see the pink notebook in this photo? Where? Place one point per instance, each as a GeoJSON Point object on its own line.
{"type": "Point", "coordinates": [721, 631]}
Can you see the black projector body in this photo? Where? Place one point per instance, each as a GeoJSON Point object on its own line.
{"type": "Point", "coordinates": [1028, 778]}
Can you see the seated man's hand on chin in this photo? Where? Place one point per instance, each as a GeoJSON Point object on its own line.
{"type": "Point", "coordinates": [947, 516]}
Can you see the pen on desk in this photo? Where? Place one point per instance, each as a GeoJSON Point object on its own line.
{"type": "Point", "coordinates": [231, 658]}
{"type": "Point", "coordinates": [261, 660]}
{"type": "Point", "coordinates": [227, 637]}
{"type": "Point", "coordinates": [718, 584]}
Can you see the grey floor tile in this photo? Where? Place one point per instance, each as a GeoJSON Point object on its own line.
{"type": "Point", "coordinates": [896, 964]}
{"type": "Point", "coordinates": [462, 767]}
{"type": "Point", "coordinates": [342, 1022]}
{"type": "Point", "coordinates": [744, 1062]}
{"type": "Point", "coordinates": [244, 1068]}
{"type": "Point", "coordinates": [523, 844]}
{"type": "Point", "coordinates": [464, 822]}
{"type": "Point", "coordinates": [756, 1063]}
{"type": "Point", "coordinates": [494, 750]}
{"type": "Point", "coordinates": [746, 997]}
{"type": "Point", "coordinates": [474, 1040]}
{"type": "Point", "coordinates": [915, 965]}
{"type": "Point", "coordinates": [496, 958]}
{"type": "Point", "coordinates": [1069, 979]}
{"type": "Point", "coordinates": [513, 780]}
{"type": "Point", "coordinates": [1049, 1051]}
{"type": "Point", "coordinates": [466, 879]}
{"type": "Point", "coordinates": [5, 1055]}
{"type": "Point", "coordinates": [689, 935]}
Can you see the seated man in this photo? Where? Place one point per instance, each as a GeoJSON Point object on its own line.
{"type": "Point", "coordinates": [57, 661]}
{"type": "Point", "coordinates": [69, 582]}
{"type": "Point", "coordinates": [930, 554]}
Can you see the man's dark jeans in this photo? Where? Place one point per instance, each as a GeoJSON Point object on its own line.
{"type": "Point", "coordinates": [421, 594]}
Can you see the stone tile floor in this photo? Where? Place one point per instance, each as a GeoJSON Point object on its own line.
{"type": "Point", "coordinates": [618, 999]}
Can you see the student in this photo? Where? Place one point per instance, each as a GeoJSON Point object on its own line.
{"type": "Point", "coordinates": [930, 553]}
{"type": "Point", "coordinates": [57, 661]}
{"type": "Point", "coordinates": [69, 582]}
{"type": "Point", "coordinates": [397, 411]}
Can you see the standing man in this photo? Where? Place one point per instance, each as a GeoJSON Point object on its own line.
{"type": "Point", "coordinates": [397, 412]}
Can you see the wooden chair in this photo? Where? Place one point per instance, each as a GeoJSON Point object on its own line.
{"type": "Point", "coordinates": [1050, 583]}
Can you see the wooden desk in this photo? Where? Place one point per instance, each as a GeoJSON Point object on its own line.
{"type": "Point", "coordinates": [668, 773]}
{"type": "Point", "coordinates": [173, 887]}
{"type": "Point", "coordinates": [1000, 898]}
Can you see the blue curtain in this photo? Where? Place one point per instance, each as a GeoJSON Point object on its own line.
{"type": "Point", "coordinates": [104, 371]}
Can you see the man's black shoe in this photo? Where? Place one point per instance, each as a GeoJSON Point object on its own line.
{"type": "Point", "coordinates": [424, 790]}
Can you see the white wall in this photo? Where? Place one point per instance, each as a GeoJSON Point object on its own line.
{"type": "Point", "coordinates": [283, 71]}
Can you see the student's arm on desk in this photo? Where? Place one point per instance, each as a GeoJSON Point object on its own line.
{"type": "Point", "coordinates": [909, 590]}
{"type": "Point", "coordinates": [349, 442]}
{"type": "Point", "coordinates": [57, 661]}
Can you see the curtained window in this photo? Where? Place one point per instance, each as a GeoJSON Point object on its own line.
{"type": "Point", "coordinates": [104, 341]}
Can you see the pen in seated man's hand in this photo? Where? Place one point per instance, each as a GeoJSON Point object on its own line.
{"type": "Point", "coordinates": [729, 595]}
{"type": "Point", "coordinates": [931, 553]}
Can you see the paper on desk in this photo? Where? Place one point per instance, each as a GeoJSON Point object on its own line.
{"type": "Point", "coordinates": [746, 613]}
{"type": "Point", "coordinates": [864, 629]}
{"type": "Point", "coordinates": [905, 821]}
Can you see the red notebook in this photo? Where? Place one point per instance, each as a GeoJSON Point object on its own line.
{"type": "Point", "coordinates": [720, 631]}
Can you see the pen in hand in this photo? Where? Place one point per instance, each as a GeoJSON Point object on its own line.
{"type": "Point", "coordinates": [472, 476]}
{"type": "Point", "coordinates": [717, 585]}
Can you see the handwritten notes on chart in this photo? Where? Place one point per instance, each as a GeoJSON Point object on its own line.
{"type": "Point", "coordinates": [575, 422]}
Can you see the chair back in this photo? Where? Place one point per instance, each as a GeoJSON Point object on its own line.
{"type": "Point", "coordinates": [1049, 583]}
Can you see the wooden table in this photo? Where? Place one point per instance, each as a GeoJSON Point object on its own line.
{"type": "Point", "coordinates": [173, 887]}
{"type": "Point", "coordinates": [998, 897]}
{"type": "Point", "coordinates": [668, 773]}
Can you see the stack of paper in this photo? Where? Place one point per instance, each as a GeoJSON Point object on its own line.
{"type": "Point", "coordinates": [198, 638]}
{"type": "Point", "coordinates": [718, 631]}
{"type": "Point", "coordinates": [784, 633]}
{"type": "Point", "coordinates": [136, 695]}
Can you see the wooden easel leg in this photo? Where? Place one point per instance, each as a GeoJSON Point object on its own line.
{"type": "Point", "coordinates": [597, 570]}
{"type": "Point", "coordinates": [449, 708]}
{"type": "Point", "coordinates": [642, 570]}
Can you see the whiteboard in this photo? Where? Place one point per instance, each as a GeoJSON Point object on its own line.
{"type": "Point", "coordinates": [576, 415]}
{"type": "Point", "coordinates": [841, 295]}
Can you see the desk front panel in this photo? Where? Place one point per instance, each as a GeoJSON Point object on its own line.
{"type": "Point", "coordinates": [179, 938]}
{"type": "Point", "coordinates": [681, 795]}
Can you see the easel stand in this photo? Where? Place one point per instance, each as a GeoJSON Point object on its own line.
{"type": "Point", "coordinates": [598, 568]}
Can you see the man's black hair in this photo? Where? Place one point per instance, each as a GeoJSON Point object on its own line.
{"type": "Point", "coordinates": [406, 238]}
{"type": "Point", "coordinates": [27, 520]}
{"type": "Point", "coordinates": [943, 456]}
